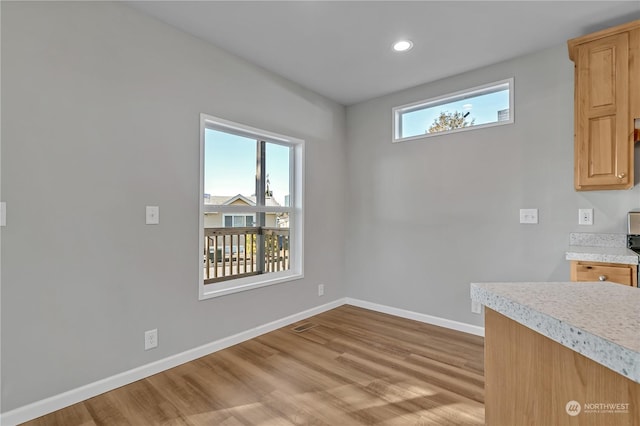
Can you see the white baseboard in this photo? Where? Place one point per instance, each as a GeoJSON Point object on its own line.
{"type": "Point", "coordinates": [429, 319]}
{"type": "Point", "coordinates": [54, 403]}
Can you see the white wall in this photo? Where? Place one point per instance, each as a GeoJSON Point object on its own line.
{"type": "Point", "coordinates": [100, 114]}
{"type": "Point", "coordinates": [430, 216]}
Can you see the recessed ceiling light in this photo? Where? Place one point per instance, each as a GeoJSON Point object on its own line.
{"type": "Point", "coordinates": [402, 45]}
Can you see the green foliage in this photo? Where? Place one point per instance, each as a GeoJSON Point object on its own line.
{"type": "Point", "coordinates": [450, 121]}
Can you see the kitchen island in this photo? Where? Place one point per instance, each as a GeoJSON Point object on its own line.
{"type": "Point", "coordinates": [561, 353]}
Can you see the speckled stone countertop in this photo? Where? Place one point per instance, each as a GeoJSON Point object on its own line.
{"type": "Point", "coordinates": [608, 248]}
{"type": "Point", "coordinates": [598, 320]}
{"type": "Point", "coordinates": [602, 254]}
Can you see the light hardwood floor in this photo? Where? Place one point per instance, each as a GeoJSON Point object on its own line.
{"type": "Point", "coordinates": [351, 367]}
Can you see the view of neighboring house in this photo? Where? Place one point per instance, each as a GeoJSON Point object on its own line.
{"type": "Point", "coordinates": [235, 220]}
{"type": "Point", "coordinates": [225, 245]}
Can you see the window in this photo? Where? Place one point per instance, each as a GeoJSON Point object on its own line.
{"type": "Point", "coordinates": [250, 207]}
{"type": "Point", "coordinates": [238, 221]}
{"type": "Point", "coordinates": [479, 107]}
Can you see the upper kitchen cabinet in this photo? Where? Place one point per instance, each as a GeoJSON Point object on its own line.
{"type": "Point", "coordinates": [607, 101]}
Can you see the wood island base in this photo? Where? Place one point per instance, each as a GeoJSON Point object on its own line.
{"type": "Point", "coordinates": [533, 380]}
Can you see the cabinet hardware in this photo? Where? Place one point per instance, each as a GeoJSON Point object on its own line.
{"type": "Point", "coordinates": [602, 277]}
{"type": "Point", "coordinates": [621, 175]}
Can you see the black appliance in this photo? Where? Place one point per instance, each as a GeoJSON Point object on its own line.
{"type": "Point", "coordinates": [633, 230]}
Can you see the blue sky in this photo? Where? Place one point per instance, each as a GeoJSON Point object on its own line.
{"type": "Point", "coordinates": [483, 108]}
{"type": "Point", "coordinates": [230, 165]}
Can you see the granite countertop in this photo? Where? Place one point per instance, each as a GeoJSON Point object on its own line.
{"type": "Point", "coordinates": [598, 320]}
{"type": "Point", "coordinates": [602, 254]}
{"type": "Point", "coordinates": [607, 248]}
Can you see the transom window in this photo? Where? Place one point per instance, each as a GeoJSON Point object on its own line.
{"type": "Point", "coordinates": [478, 107]}
{"type": "Point", "coordinates": [251, 207]}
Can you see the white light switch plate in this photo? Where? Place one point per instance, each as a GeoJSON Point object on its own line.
{"type": "Point", "coordinates": [153, 215]}
{"type": "Point", "coordinates": [529, 216]}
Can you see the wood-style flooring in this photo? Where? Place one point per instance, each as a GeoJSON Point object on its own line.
{"type": "Point", "coordinates": [347, 366]}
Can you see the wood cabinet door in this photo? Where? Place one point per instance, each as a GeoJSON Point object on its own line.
{"type": "Point", "coordinates": [602, 139]}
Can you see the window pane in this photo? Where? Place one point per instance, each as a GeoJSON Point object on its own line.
{"type": "Point", "coordinates": [277, 242]}
{"type": "Point", "coordinates": [277, 172]}
{"type": "Point", "coordinates": [228, 221]}
{"type": "Point", "coordinates": [276, 220]}
{"type": "Point", "coordinates": [229, 166]}
{"type": "Point", "coordinates": [476, 107]}
{"type": "Point", "coordinates": [249, 220]}
{"type": "Point", "coordinates": [282, 220]}
{"type": "Point", "coordinates": [238, 221]}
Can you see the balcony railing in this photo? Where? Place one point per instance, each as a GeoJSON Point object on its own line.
{"type": "Point", "coordinates": [241, 252]}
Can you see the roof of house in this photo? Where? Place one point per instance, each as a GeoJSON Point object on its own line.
{"type": "Point", "coordinates": [225, 200]}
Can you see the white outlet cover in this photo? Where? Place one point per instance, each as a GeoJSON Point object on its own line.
{"type": "Point", "coordinates": [150, 339]}
{"type": "Point", "coordinates": [152, 215]}
{"type": "Point", "coordinates": [585, 216]}
{"type": "Point", "coordinates": [529, 216]}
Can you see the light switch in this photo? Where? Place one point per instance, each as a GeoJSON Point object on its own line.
{"type": "Point", "coordinates": [529, 216]}
{"type": "Point", "coordinates": [153, 215]}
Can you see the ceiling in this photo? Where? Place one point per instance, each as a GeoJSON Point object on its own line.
{"type": "Point", "coordinates": [342, 49]}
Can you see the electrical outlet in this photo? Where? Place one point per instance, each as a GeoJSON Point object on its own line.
{"type": "Point", "coordinates": [150, 339]}
{"type": "Point", "coordinates": [320, 289]}
{"type": "Point", "coordinates": [529, 216]}
{"type": "Point", "coordinates": [585, 216]}
{"type": "Point", "coordinates": [476, 307]}
{"type": "Point", "coordinates": [152, 215]}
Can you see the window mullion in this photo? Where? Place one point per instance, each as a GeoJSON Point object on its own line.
{"type": "Point", "coordinates": [260, 201]}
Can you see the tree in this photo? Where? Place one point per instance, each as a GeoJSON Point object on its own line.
{"type": "Point", "coordinates": [450, 121]}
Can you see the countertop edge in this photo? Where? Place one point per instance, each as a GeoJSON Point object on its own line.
{"type": "Point", "coordinates": [609, 354]}
{"type": "Point", "coordinates": [602, 254]}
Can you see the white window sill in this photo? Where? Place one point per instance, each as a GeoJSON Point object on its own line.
{"type": "Point", "coordinates": [224, 288]}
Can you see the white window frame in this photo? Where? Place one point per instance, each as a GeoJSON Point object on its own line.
{"type": "Point", "coordinates": [295, 210]}
{"type": "Point", "coordinates": [451, 97]}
